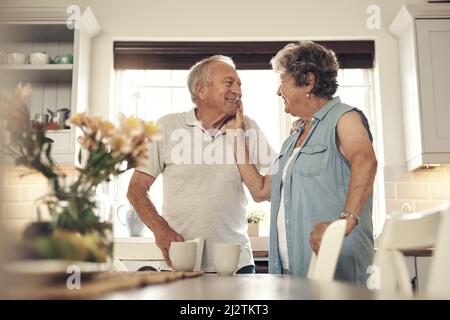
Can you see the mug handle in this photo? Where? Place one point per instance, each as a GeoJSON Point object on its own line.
{"type": "Point", "coordinates": [118, 215]}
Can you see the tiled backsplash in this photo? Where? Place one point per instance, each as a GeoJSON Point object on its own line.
{"type": "Point", "coordinates": [18, 195]}
{"type": "Point", "coordinates": [422, 189]}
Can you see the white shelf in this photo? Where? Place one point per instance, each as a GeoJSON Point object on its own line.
{"type": "Point", "coordinates": [33, 67]}
{"type": "Point", "coordinates": [44, 72]}
{"type": "Point", "coordinates": [28, 29]}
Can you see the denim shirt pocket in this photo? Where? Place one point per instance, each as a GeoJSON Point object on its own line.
{"type": "Point", "coordinates": [311, 160]}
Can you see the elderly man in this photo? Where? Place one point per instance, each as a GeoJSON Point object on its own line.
{"type": "Point", "coordinates": [203, 192]}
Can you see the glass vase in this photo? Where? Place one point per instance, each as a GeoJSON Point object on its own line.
{"type": "Point", "coordinates": [73, 226]}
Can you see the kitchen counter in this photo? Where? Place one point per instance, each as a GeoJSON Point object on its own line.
{"type": "Point", "coordinates": [251, 287]}
{"type": "Point", "coordinates": [419, 252]}
{"type": "Point", "coordinates": [427, 252]}
{"type": "Point", "coordinates": [141, 248]}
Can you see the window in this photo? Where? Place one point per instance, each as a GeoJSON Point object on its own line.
{"type": "Point", "coordinates": [150, 94]}
{"type": "Point", "coordinates": [151, 82]}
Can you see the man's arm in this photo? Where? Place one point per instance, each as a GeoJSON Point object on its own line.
{"type": "Point", "coordinates": [138, 196]}
{"type": "Point", "coordinates": [356, 147]}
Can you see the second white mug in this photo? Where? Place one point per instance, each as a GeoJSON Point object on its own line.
{"type": "Point", "coordinates": [226, 258]}
{"type": "Point", "coordinates": [39, 58]}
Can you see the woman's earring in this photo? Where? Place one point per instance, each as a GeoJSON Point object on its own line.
{"type": "Point", "coordinates": [308, 95]}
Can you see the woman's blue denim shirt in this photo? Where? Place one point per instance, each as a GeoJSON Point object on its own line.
{"type": "Point", "coordinates": [315, 190]}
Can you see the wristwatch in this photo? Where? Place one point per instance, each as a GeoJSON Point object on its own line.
{"type": "Point", "coordinates": [346, 214]}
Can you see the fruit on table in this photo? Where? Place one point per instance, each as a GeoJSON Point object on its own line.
{"type": "Point", "coordinates": [68, 245]}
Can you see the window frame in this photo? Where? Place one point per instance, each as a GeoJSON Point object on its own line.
{"type": "Point", "coordinates": [248, 55]}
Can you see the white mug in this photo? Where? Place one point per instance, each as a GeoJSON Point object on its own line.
{"type": "Point", "coordinates": [183, 255]}
{"type": "Point", "coordinates": [16, 58]}
{"type": "Point", "coordinates": [39, 58]}
{"type": "Point", "coordinates": [226, 258]}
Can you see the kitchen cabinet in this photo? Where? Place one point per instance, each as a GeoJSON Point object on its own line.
{"type": "Point", "coordinates": [136, 248]}
{"type": "Point", "coordinates": [423, 34]}
{"type": "Point", "coordinates": [57, 32]}
{"type": "Point", "coordinates": [138, 252]}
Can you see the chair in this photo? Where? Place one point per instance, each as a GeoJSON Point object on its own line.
{"type": "Point", "coordinates": [401, 233]}
{"type": "Point", "coordinates": [323, 265]}
{"type": "Point", "coordinates": [439, 277]}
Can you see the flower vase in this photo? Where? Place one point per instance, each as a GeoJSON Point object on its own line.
{"type": "Point", "coordinates": [71, 226]}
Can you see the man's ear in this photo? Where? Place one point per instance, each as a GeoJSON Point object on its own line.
{"type": "Point", "coordinates": [202, 91]}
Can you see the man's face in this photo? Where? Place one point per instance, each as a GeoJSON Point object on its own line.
{"type": "Point", "coordinates": [224, 93]}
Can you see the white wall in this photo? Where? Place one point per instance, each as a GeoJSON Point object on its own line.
{"type": "Point", "coordinates": [422, 189]}
{"type": "Point", "coordinates": [250, 20]}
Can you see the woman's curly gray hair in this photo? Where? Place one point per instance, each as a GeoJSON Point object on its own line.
{"type": "Point", "coordinates": [303, 57]}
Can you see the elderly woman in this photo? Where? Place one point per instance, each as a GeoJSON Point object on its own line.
{"type": "Point", "coordinates": [325, 170]}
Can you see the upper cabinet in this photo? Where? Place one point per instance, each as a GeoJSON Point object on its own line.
{"type": "Point", "coordinates": [49, 47]}
{"type": "Point", "coordinates": [423, 33]}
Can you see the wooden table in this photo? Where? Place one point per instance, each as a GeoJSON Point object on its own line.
{"type": "Point", "coordinates": [251, 287]}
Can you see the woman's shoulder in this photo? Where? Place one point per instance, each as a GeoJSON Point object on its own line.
{"type": "Point", "coordinates": [342, 107]}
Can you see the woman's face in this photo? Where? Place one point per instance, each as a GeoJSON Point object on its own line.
{"type": "Point", "coordinates": [294, 96]}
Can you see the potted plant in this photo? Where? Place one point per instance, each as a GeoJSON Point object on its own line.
{"type": "Point", "coordinates": [254, 217]}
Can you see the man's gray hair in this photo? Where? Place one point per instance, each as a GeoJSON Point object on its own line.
{"type": "Point", "coordinates": [199, 73]}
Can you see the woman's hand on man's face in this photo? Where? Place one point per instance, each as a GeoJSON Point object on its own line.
{"type": "Point", "coordinates": [237, 122]}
